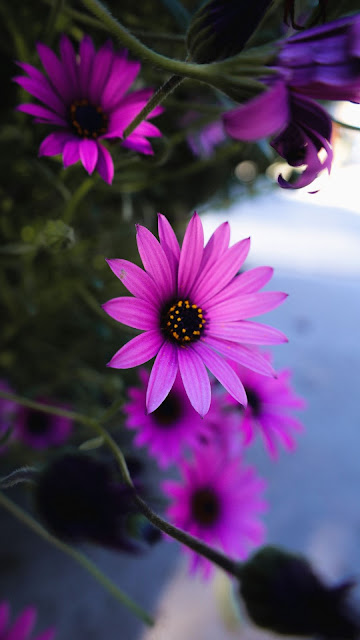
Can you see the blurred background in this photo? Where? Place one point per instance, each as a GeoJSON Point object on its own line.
{"type": "Point", "coordinates": [56, 339]}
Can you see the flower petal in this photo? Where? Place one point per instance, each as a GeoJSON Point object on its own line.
{"type": "Point", "coordinates": [247, 357]}
{"type": "Point", "coordinates": [43, 91]}
{"type": "Point", "coordinates": [220, 273]}
{"type": "Point", "coordinates": [123, 74]}
{"type": "Point", "coordinates": [23, 626]}
{"type": "Point", "coordinates": [248, 282]}
{"type": "Point", "coordinates": [155, 261]}
{"type": "Point", "coordinates": [54, 143]}
{"type": "Point", "coordinates": [38, 111]}
{"type": "Point", "coordinates": [169, 243]}
{"type": "Point", "coordinates": [191, 255]}
{"type": "Point", "coordinates": [105, 165]}
{"type": "Point", "coordinates": [100, 71]}
{"type": "Point", "coordinates": [71, 153]}
{"type": "Point", "coordinates": [86, 59]}
{"type": "Point", "coordinates": [137, 281]}
{"type": "Point", "coordinates": [132, 312]}
{"type": "Point", "coordinates": [222, 372]}
{"type": "Point", "coordinates": [262, 116]}
{"type": "Point", "coordinates": [216, 246]}
{"type": "Point", "coordinates": [88, 154]}
{"type": "Point", "coordinates": [247, 332]}
{"type": "Point", "coordinates": [195, 379]}
{"type": "Point", "coordinates": [4, 616]}
{"type": "Point", "coordinates": [139, 350]}
{"type": "Point", "coordinates": [162, 376]}
{"type": "Point", "coordinates": [68, 59]}
{"type": "Point", "coordinates": [246, 306]}
{"type": "Point", "coordinates": [55, 71]}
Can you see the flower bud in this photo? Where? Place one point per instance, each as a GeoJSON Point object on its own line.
{"type": "Point", "coordinates": [221, 28]}
{"type": "Point", "coordinates": [282, 593]}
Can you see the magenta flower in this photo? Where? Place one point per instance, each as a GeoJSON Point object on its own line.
{"type": "Point", "coordinates": [303, 129]}
{"type": "Point", "coordinates": [271, 402]}
{"type": "Point", "coordinates": [85, 95]}
{"type": "Point", "coordinates": [40, 430]}
{"type": "Point", "coordinates": [193, 309]}
{"type": "Point", "coordinates": [174, 426]}
{"type": "Point", "coordinates": [22, 627]}
{"type": "Point", "coordinates": [218, 501]}
{"type": "Point", "coordinates": [204, 140]}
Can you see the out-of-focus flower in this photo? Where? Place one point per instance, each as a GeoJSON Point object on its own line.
{"type": "Point", "coordinates": [282, 593]}
{"type": "Point", "coordinates": [174, 426]}
{"type": "Point", "coordinates": [22, 627]}
{"type": "Point", "coordinates": [79, 499]}
{"type": "Point", "coordinates": [204, 140]}
{"type": "Point", "coordinates": [271, 402]}
{"type": "Point", "coordinates": [41, 430]}
{"type": "Point", "coordinates": [219, 501]}
{"type": "Point", "coordinates": [192, 306]}
{"type": "Point", "coordinates": [85, 95]}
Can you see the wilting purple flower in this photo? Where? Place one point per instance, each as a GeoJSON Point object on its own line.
{"type": "Point", "coordinates": [324, 62]}
{"type": "Point", "coordinates": [22, 627]}
{"type": "Point", "coordinates": [84, 95]}
{"type": "Point", "coordinates": [174, 426]}
{"type": "Point", "coordinates": [219, 501]}
{"type": "Point", "coordinates": [192, 306]}
{"type": "Point", "coordinates": [271, 402]}
{"type": "Point", "coordinates": [303, 129]}
{"type": "Point", "coordinates": [41, 430]}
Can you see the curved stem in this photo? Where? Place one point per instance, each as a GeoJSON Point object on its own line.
{"type": "Point", "coordinates": [76, 198]}
{"type": "Point", "coordinates": [79, 557]}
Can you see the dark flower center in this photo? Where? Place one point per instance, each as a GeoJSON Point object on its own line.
{"type": "Point", "coordinates": [169, 411]}
{"type": "Point", "coordinates": [254, 401]}
{"type": "Point", "coordinates": [87, 120]}
{"type": "Point", "coordinates": [183, 322]}
{"type": "Point", "coordinates": [37, 423]}
{"type": "Point", "coordinates": [205, 507]}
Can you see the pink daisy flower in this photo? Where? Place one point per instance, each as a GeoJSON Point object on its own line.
{"type": "Point", "coordinates": [218, 501]}
{"type": "Point", "coordinates": [40, 430]}
{"type": "Point", "coordinates": [174, 426]}
{"type": "Point", "coordinates": [84, 95]}
{"type": "Point", "coordinates": [193, 309]}
{"type": "Point", "coordinates": [22, 627]}
{"type": "Point", "coordinates": [271, 402]}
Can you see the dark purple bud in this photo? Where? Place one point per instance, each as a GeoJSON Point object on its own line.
{"type": "Point", "coordinates": [221, 28]}
{"type": "Point", "coordinates": [282, 593]}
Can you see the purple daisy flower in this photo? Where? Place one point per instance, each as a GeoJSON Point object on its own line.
{"type": "Point", "coordinates": [303, 129]}
{"type": "Point", "coordinates": [172, 427]}
{"type": "Point", "coordinates": [219, 501]}
{"type": "Point", "coordinates": [271, 402]}
{"type": "Point", "coordinates": [40, 430]}
{"type": "Point", "coordinates": [192, 307]}
{"type": "Point", "coordinates": [22, 627]}
{"type": "Point", "coordinates": [84, 95]}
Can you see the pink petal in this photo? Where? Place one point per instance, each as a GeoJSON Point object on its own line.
{"type": "Point", "coordinates": [55, 70]}
{"type": "Point", "coordinates": [123, 74]}
{"type": "Point", "coordinates": [100, 71]}
{"type": "Point", "coordinates": [105, 165]}
{"type": "Point", "coordinates": [86, 59]}
{"type": "Point", "coordinates": [32, 72]}
{"type": "Point", "coordinates": [71, 153]}
{"type": "Point", "coordinates": [262, 116]}
{"type": "Point", "coordinates": [4, 616]}
{"type": "Point", "coordinates": [247, 332]}
{"type": "Point", "coordinates": [216, 246]}
{"type": "Point", "coordinates": [248, 282]}
{"type": "Point", "coordinates": [23, 626]}
{"type": "Point", "coordinates": [195, 379]}
{"type": "Point", "coordinates": [212, 280]}
{"type": "Point", "coordinates": [137, 281]}
{"type": "Point", "coordinates": [155, 262]}
{"type": "Point", "coordinates": [138, 350]}
{"type": "Point", "coordinates": [88, 154]}
{"type": "Point", "coordinates": [222, 372]}
{"type": "Point", "coordinates": [54, 144]}
{"type": "Point", "coordinates": [132, 312]}
{"type": "Point", "coordinates": [191, 255]}
{"type": "Point", "coordinates": [39, 111]}
{"type": "Point", "coordinates": [43, 91]}
{"type": "Point", "coordinates": [162, 376]}
{"type": "Point", "coordinates": [137, 143]}
{"type": "Point", "coordinates": [169, 243]}
{"type": "Point", "coordinates": [250, 358]}
{"type": "Point", "coordinates": [68, 59]}
{"type": "Point", "coordinates": [246, 306]}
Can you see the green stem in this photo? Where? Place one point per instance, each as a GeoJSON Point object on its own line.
{"type": "Point", "coordinates": [76, 198]}
{"type": "Point", "coordinates": [156, 99]}
{"type": "Point", "coordinates": [79, 557]}
{"type": "Point", "coordinates": [38, 406]}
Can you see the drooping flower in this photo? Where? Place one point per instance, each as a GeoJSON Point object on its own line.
{"type": "Point", "coordinates": [86, 96]}
{"type": "Point", "coordinates": [22, 627]}
{"type": "Point", "coordinates": [174, 426]}
{"type": "Point", "coordinates": [271, 403]}
{"type": "Point", "coordinates": [192, 308]}
{"type": "Point", "coordinates": [219, 501]}
{"type": "Point", "coordinates": [40, 430]}
{"type": "Point", "coordinates": [79, 499]}
{"type": "Point", "coordinates": [303, 130]}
